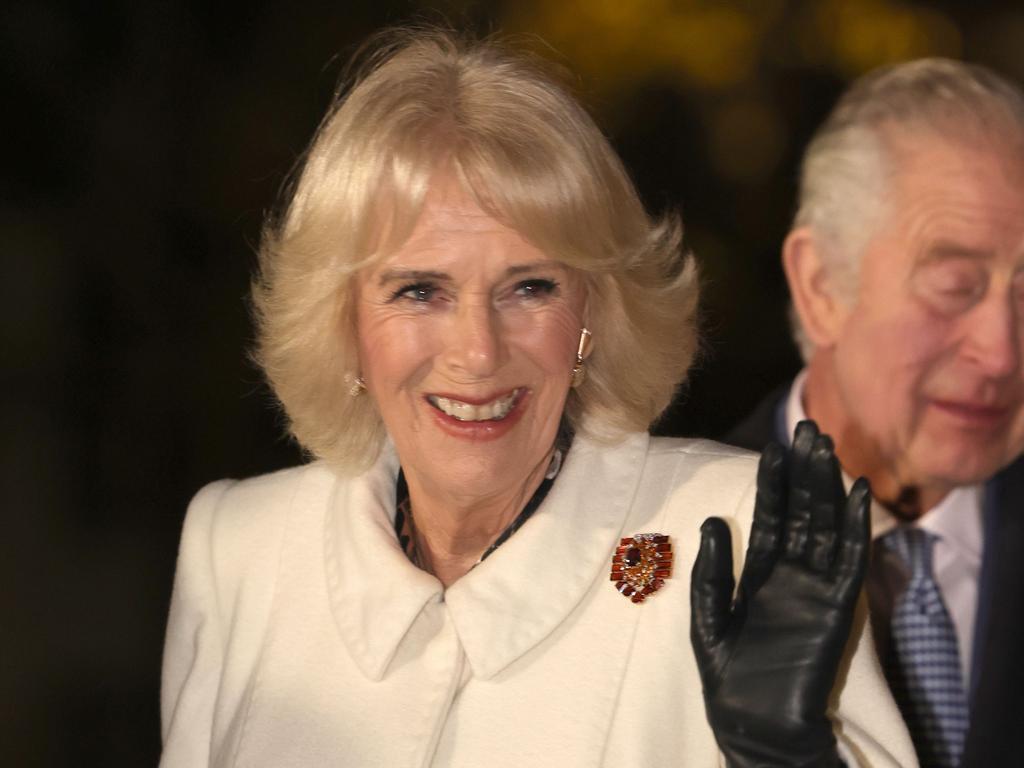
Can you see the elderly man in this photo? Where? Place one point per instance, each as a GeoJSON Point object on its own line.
{"type": "Point", "coordinates": [906, 269]}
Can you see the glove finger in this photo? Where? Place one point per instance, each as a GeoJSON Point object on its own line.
{"type": "Point", "coordinates": [711, 588]}
{"type": "Point", "coordinates": [854, 543]}
{"type": "Point", "coordinates": [827, 500]}
{"type": "Point", "coordinates": [766, 529]}
{"type": "Point", "coordinates": [798, 514]}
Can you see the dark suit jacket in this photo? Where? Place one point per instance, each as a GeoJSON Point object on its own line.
{"type": "Point", "coordinates": [996, 734]}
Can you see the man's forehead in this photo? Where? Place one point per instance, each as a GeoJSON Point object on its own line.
{"type": "Point", "coordinates": [953, 199]}
{"type": "Point", "coordinates": [925, 157]}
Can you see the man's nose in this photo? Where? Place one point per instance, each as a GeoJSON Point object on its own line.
{"type": "Point", "coordinates": [993, 341]}
{"type": "Point", "coordinates": [476, 346]}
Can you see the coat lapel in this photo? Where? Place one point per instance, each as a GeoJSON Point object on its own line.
{"type": "Point", "coordinates": [525, 590]}
{"type": "Point", "coordinates": [375, 592]}
{"type": "Point", "coordinates": [997, 707]}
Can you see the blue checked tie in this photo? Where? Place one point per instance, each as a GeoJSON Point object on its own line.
{"type": "Point", "coordinates": [923, 665]}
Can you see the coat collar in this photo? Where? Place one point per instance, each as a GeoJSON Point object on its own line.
{"type": "Point", "coordinates": [507, 604]}
{"type": "Point", "coordinates": [375, 592]}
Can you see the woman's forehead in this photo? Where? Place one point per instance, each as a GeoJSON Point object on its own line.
{"type": "Point", "coordinates": [449, 218]}
{"type": "Point", "coordinates": [455, 209]}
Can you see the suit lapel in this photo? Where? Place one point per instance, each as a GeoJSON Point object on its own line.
{"type": "Point", "coordinates": [997, 706]}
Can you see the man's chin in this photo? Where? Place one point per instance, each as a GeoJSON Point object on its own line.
{"type": "Point", "coordinates": [953, 466]}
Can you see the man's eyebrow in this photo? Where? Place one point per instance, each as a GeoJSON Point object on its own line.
{"type": "Point", "coordinates": [946, 250]}
{"type": "Point", "coordinates": [392, 275]}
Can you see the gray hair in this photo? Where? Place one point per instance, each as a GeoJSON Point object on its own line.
{"type": "Point", "coordinates": [842, 196]}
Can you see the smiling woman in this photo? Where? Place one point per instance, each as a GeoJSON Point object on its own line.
{"type": "Point", "coordinates": [470, 321]}
{"type": "Point", "coordinates": [467, 337]}
{"type": "Point", "coordinates": [503, 132]}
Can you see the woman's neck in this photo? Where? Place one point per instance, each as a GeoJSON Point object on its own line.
{"type": "Point", "coordinates": [452, 529]}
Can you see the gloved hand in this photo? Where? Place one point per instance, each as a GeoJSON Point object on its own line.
{"type": "Point", "coordinates": [768, 659]}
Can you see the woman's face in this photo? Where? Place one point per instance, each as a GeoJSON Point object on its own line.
{"type": "Point", "coordinates": [467, 336]}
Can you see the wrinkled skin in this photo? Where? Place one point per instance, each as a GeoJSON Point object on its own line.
{"type": "Point", "coordinates": [768, 659]}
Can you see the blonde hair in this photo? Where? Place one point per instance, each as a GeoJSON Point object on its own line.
{"type": "Point", "coordinates": [532, 158]}
{"type": "Point", "coordinates": [849, 161]}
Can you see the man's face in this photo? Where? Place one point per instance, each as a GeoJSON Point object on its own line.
{"type": "Point", "coordinates": [929, 357]}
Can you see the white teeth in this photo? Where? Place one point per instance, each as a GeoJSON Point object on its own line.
{"type": "Point", "coordinates": [496, 410]}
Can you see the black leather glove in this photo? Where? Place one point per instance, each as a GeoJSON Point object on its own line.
{"type": "Point", "coordinates": [768, 659]}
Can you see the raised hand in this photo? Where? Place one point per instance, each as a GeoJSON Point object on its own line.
{"type": "Point", "coordinates": [768, 658]}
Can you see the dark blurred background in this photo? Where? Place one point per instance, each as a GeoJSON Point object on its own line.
{"type": "Point", "coordinates": [144, 143]}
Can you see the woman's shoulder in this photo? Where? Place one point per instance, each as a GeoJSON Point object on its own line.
{"type": "Point", "coordinates": [251, 500]}
{"type": "Point", "coordinates": [699, 478]}
{"type": "Point", "coordinates": [699, 455]}
{"type": "Point", "coordinates": [673, 465]}
{"type": "Point", "coordinates": [234, 530]}
{"type": "Point", "coordinates": [238, 520]}
{"type": "Point", "coordinates": [698, 447]}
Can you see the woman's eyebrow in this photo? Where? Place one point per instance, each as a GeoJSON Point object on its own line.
{"type": "Point", "coordinates": [391, 275]}
{"type": "Point", "coordinates": [533, 266]}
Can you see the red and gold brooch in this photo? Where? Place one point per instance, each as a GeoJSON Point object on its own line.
{"type": "Point", "coordinates": [641, 564]}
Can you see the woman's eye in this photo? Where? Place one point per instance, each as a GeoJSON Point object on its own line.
{"type": "Point", "coordinates": [417, 292]}
{"type": "Point", "coordinates": [536, 288]}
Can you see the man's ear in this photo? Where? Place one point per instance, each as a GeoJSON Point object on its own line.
{"type": "Point", "coordinates": [814, 293]}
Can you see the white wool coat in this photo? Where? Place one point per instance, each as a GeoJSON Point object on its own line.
{"type": "Point", "coordinates": [301, 635]}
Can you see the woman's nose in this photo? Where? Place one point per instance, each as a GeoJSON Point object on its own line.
{"type": "Point", "coordinates": [476, 347]}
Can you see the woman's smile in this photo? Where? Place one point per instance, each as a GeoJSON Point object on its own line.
{"type": "Point", "coordinates": [467, 409]}
{"type": "Point", "coordinates": [479, 422]}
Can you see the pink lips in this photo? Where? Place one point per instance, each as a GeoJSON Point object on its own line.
{"type": "Point", "coordinates": [971, 414]}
